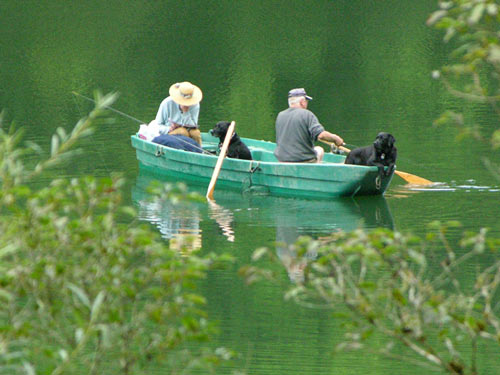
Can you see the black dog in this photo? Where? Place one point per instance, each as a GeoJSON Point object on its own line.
{"type": "Point", "coordinates": [382, 153]}
{"type": "Point", "coordinates": [237, 149]}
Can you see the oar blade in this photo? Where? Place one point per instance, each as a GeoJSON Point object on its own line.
{"type": "Point", "coordinates": [412, 179]}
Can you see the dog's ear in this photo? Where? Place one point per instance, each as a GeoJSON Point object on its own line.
{"type": "Point", "coordinates": [392, 140]}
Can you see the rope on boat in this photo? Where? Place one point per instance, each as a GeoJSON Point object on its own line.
{"type": "Point", "coordinates": [251, 171]}
{"type": "Point", "coordinates": [356, 191]}
{"type": "Point", "coordinates": [378, 182]}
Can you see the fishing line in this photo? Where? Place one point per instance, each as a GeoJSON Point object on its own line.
{"type": "Point", "coordinates": [110, 108]}
{"type": "Point", "coordinates": [139, 121]}
{"type": "Point", "coordinates": [98, 149]}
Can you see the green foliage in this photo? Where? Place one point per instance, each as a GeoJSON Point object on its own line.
{"type": "Point", "coordinates": [83, 287]}
{"type": "Point", "coordinates": [407, 290]}
{"type": "Point", "coordinates": [402, 290]}
{"type": "Point", "coordinates": [473, 74]}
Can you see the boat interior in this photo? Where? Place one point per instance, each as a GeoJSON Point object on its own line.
{"type": "Point", "coordinates": [263, 152]}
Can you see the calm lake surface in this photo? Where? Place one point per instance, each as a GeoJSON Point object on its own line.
{"type": "Point", "coordinates": [368, 66]}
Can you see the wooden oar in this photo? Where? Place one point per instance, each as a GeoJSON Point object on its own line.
{"type": "Point", "coordinates": [220, 160]}
{"type": "Point", "coordinates": [408, 177]}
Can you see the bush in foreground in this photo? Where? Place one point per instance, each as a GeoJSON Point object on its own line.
{"type": "Point", "coordinates": [85, 289]}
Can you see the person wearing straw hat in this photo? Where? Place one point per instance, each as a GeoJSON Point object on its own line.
{"type": "Point", "coordinates": [297, 128]}
{"type": "Point", "coordinates": [178, 113]}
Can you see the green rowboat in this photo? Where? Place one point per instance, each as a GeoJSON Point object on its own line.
{"type": "Point", "coordinates": [331, 178]}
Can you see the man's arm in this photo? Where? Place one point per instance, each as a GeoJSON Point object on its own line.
{"type": "Point", "coordinates": [162, 118]}
{"type": "Point", "coordinates": [330, 137]}
{"type": "Point", "coordinates": [162, 115]}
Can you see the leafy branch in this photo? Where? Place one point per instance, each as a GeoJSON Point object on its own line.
{"type": "Point", "coordinates": [85, 274]}
{"type": "Point", "coordinates": [390, 284]}
{"type": "Point", "coordinates": [474, 70]}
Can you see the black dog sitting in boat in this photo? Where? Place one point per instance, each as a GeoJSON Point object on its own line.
{"type": "Point", "coordinates": [237, 149]}
{"type": "Point", "coordinates": [382, 153]}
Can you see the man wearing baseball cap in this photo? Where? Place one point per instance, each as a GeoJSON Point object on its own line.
{"type": "Point", "coordinates": [297, 129]}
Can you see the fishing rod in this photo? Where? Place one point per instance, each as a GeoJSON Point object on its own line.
{"type": "Point", "coordinates": [110, 108]}
{"type": "Point", "coordinates": [136, 119]}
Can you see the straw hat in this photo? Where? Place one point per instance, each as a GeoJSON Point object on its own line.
{"type": "Point", "coordinates": [185, 93]}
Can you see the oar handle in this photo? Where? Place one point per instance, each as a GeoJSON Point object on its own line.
{"type": "Point", "coordinates": [342, 148]}
{"type": "Point", "coordinates": [345, 149]}
{"type": "Point", "coordinates": [220, 160]}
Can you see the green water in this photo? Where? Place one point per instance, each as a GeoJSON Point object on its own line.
{"type": "Point", "coordinates": [366, 63]}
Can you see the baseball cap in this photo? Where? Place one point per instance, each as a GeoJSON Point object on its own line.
{"type": "Point", "coordinates": [299, 92]}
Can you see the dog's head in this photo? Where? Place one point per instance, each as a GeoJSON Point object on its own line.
{"type": "Point", "coordinates": [384, 142]}
{"type": "Point", "coordinates": [220, 129]}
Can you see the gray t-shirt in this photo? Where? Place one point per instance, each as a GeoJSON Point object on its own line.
{"type": "Point", "coordinates": [296, 131]}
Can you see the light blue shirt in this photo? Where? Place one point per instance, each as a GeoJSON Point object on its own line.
{"type": "Point", "coordinates": [170, 112]}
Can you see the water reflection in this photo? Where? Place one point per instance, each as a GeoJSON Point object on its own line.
{"type": "Point", "coordinates": [287, 253]}
{"type": "Point", "coordinates": [223, 217]}
{"type": "Point", "coordinates": [315, 219]}
{"type": "Point", "coordinates": [291, 218]}
{"type": "Point", "coordinates": [178, 222]}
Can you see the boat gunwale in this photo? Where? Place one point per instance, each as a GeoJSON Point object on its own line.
{"type": "Point", "coordinates": [322, 165]}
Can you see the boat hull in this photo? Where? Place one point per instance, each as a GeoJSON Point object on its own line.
{"type": "Point", "coordinates": [328, 179]}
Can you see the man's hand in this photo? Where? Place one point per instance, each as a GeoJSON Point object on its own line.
{"type": "Point", "coordinates": [330, 137]}
{"type": "Point", "coordinates": [337, 140]}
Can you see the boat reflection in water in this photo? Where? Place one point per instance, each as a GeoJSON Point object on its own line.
{"type": "Point", "coordinates": [178, 222]}
{"type": "Point", "coordinates": [290, 217]}
{"type": "Point", "coordinates": [315, 219]}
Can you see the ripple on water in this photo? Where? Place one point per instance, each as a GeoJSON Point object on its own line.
{"type": "Point", "coordinates": [452, 186]}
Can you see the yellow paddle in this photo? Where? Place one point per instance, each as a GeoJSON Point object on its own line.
{"type": "Point", "coordinates": [408, 177]}
{"type": "Point", "coordinates": [220, 160]}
